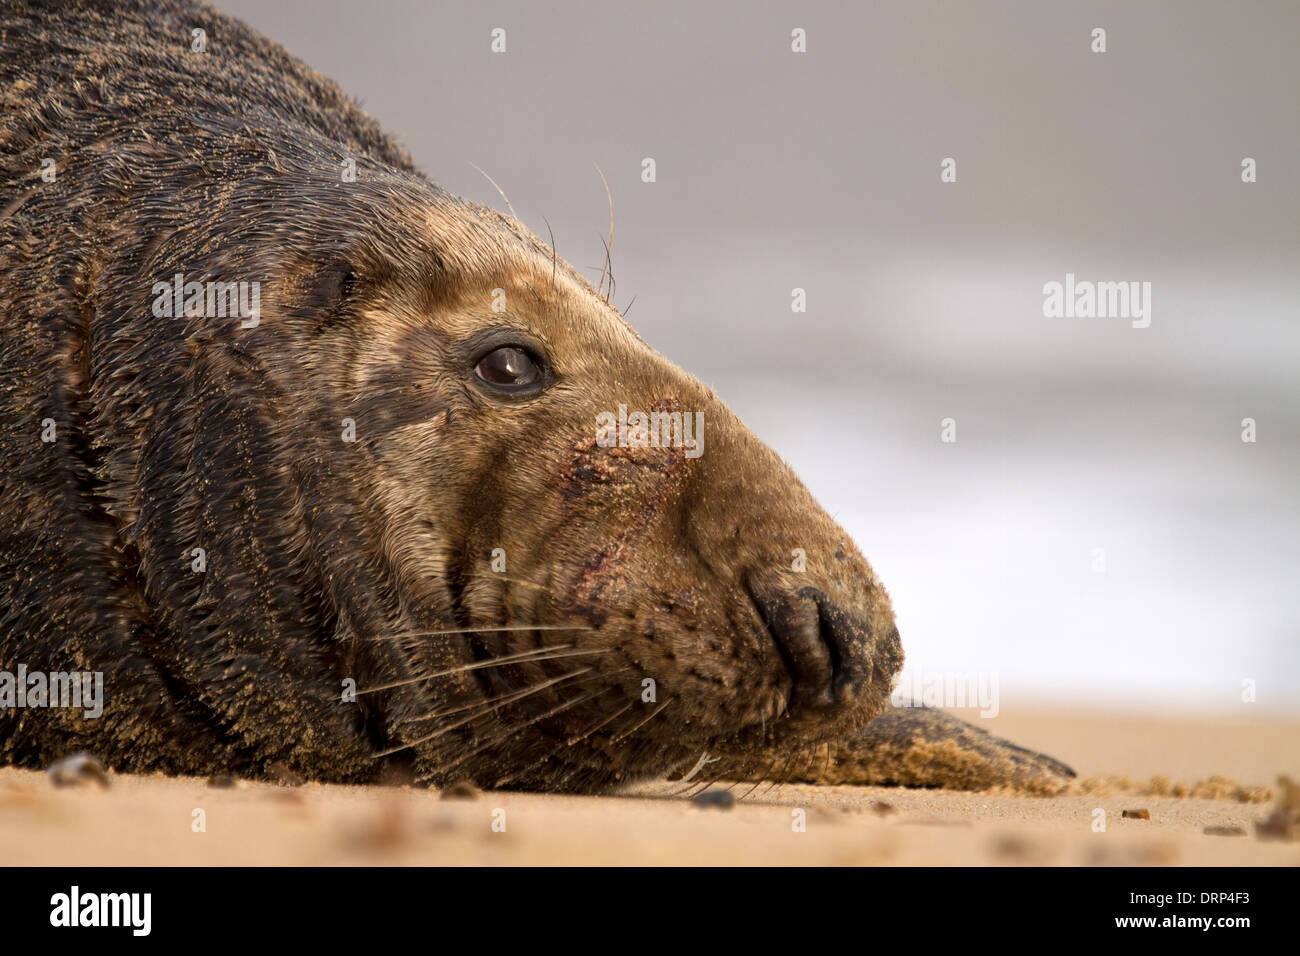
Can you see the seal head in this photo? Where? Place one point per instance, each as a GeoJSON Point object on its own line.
{"type": "Point", "coordinates": [631, 576]}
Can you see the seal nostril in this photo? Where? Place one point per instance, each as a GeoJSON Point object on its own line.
{"type": "Point", "coordinates": [808, 632]}
{"type": "Point", "coordinates": [831, 638]}
{"type": "Point", "coordinates": [850, 641]}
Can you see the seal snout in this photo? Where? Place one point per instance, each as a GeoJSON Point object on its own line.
{"type": "Point", "coordinates": [827, 648]}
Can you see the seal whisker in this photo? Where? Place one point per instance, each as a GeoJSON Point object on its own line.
{"type": "Point", "coordinates": [700, 787]}
{"type": "Point", "coordinates": [761, 778]}
{"type": "Point", "coordinates": [609, 246]}
{"type": "Point", "coordinates": [506, 698]}
{"type": "Point", "coordinates": [484, 630]}
{"type": "Point", "coordinates": [563, 744]}
{"type": "Point", "coordinates": [657, 711]}
{"type": "Point", "coordinates": [695, 788]}
{"type": "Point", "coordinates": [780, 776]}
{"type": "Point", "coordinates": [699, 765]}
{"type": "Point", "coordinates": [551, 233]}
{"type": "Point", "coordinates": [499, 190]}
{"type": "Point", "coordinates": [611, 272]}
{"type": "Point", "coordinates": [743, 775]}
{"type": "Point", "coordinates": [591, 730]}
{"type": "Point", "coordinates": [525, 657]}
{"type": "Point", "coordinates": [520, 695]}
{"type": "Point", "coordinates": [510, 732]}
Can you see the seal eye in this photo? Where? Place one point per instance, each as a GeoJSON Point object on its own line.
{"type": "Point", "coordinates": [508, 367]}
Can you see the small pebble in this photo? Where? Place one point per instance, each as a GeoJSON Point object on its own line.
{"type": "Point", "coordinates": [76, 770]}
{"type": "Point", "coordinates": [1010, 845]}
{"type": "Point", "coordinates": [461, 790]}
{"type": "Point", "coordinates": [222, 781]}
{"type": "Point", "coordinates": [936, 822]}
{"type": "Point", "coordinates": [1224, 831]}
{"type": "Point", "coordinates": [1137, 814]}
{"type": "Point", "coordinates": [715, 799]}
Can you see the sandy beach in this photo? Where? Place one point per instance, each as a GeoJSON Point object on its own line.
{"type": "Point", "coordinates": [1130, 763]}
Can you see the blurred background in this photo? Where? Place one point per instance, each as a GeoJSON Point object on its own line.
{"type": "Point", "coordinates": [821, 171]}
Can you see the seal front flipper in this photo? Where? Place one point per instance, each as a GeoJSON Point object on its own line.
{"type": "Point", "coordinates": [910, 747]}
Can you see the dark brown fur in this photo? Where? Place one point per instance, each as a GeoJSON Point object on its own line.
{"type": "Point", "coordinates": [331, 561]}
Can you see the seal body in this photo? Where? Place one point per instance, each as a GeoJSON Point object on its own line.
{"type": "Point", "coordinates": [317, 465]}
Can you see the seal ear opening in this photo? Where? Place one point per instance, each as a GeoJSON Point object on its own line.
{"type": "Point", "coordinates": [328, 288]}
{"type": "Point", "coordinates": [328, 296]}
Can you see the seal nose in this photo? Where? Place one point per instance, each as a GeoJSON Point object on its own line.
{"type": "Point", "coordinates": [826, 649]}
